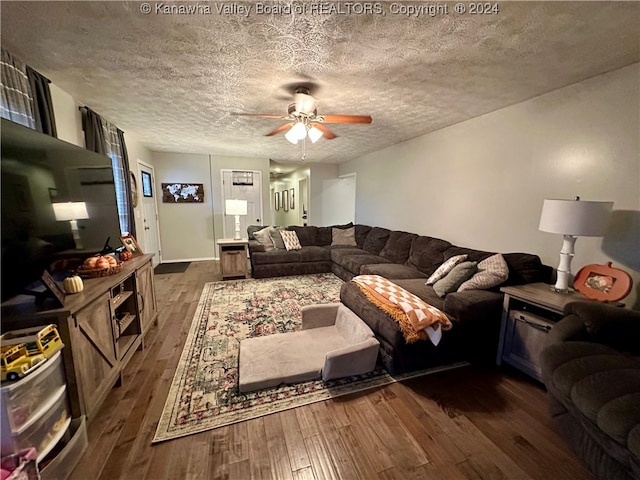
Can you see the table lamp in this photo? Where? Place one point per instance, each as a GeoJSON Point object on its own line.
{"type": "Point", "coordinates": [72, 212]}
{"type": "Point", "coordinates": [237, 208]}
{"type": "Point", "coordinates": [572, 219]}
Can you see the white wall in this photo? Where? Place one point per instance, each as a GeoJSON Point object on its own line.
{"type": "Point", "coordinates": [319, 173]}
{"type": "Point", "coordinates": [186, 229]}
{"type": "Point", "coordinates": [481, 183]}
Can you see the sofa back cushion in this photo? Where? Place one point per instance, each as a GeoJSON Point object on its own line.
{"type": "Point", "coordinates": [361, 234]}
{"type": "Point", "coordinates": [376, 239]}
{"type": "Point", "coordinates": [523, 267]}
{"type": "Point", "coordinates": [526, 268]}
{"type": "Point", "coordinates": [324, 235]}
{"type": "Point", "coordinates": [307, 235]}
{"type": "Point", "coordinates": [427, 254]}
{"type": "Point", "coordinates": [398, 246]}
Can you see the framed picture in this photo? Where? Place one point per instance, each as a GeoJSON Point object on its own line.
{"type": "Point", "coordinates": [53, 287]}
{"type": "Point", "coordinates": [131, 245]}
{"type": "Point", "coordinates": [292, 198]}
{"type": "Point", "coordinates": [603, 282]}
{"type": "Point", "coordinates": [178, 192]}
{"type": "Point", "coordinates": [276, 201]}
{"type": "Point", "coordinates": [285, 200]}
{"type": "Point", "coordinates": [147, 187]}
{"type": "Point", "coordinates": [134, 190]}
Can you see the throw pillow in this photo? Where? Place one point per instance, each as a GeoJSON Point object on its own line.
{"type": "Point", "coordinates": [343, 236]}
{"type": "Point", "coordinates": [492, 272]}
{"type": "Point", "coordinates": [290, 240]}
{"type": "Point", "coordinates": [456, 277]}
{"type": "Point", "coordinates": [276, 238]}
{"type": "Point", "coordinates": [263, 237]}
{"type": "Point", "coordinates": [445, 268]}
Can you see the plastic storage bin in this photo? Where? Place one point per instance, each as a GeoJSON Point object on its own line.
{"type": "Point", "coordinates": [62, 465]}
{"type": "Point", "coordinates": [23, 399]}
{"type": "Point", "coordinates": [43, 430]}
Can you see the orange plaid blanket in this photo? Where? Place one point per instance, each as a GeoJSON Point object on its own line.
{"type": "Point", "coordinates": [417, 319]}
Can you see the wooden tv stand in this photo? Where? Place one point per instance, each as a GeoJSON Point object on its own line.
{"type": "Point", "coordinates": [101, 327]}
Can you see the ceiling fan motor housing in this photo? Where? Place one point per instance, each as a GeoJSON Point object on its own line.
{"type": "Point", "coordinates": [304, 103]}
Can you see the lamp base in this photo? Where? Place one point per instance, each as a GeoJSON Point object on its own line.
{"type": "Point", "coordinates": [562, 291]}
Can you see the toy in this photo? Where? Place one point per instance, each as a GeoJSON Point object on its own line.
{"type": "Point", "coordinates": [16, 362]}
{"type": "Point", "coordinates": [38, 340]}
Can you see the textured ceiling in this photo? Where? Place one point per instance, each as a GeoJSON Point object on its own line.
{"type": "Point", "coordinates": [174, 80]}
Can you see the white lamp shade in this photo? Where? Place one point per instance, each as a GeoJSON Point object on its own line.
{"type": "Point", "coordinates": [235, 207]}
{"type": "Point", "coordinates": [575, 217]}
{"type": "Point", "coordinates": [291, 136]}
{"type": "Point", "coordinates": [299, 130]}
{"type": "Point", "coordinates": [315, 134]}
{"type": "Point", "coordinates": [70, 211]}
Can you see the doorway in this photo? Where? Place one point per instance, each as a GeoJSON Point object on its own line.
{"type": "Point", "coordinates": [242, 185]}
{"type": "Point", "coordinates": [150, 229]}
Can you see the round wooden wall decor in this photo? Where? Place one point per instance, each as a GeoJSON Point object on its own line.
{"type": "Point", "coordinates": [134, 190]}
{"type": "Point", "coordinates": [603, 282]}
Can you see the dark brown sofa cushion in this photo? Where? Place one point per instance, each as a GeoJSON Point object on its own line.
{"type": "Point", "coordinates": [397, 247]}
{"type": "Point", "coordinates": [276, 256]}
{"type": "Point", "coordinates": [362, 231]}
{"type": "Point", "coordinates": [315, 253]}
{"type": "Point", "coordinates": [376, 239]}
{"type": "Point", "coordinates": [353, 263]}
{"type": "Point", "coordinates": [391, 271]}
{"type": "Point", "coordinates": [427, 254]}
{"type": "Point", "coordinates": [306, 235]}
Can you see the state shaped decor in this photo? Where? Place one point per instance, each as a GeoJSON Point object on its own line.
{"type": "Point", "coordinates": [603, 282]}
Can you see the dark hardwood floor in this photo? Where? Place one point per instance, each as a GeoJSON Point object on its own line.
{"type": "Point", "coordinates": [468, 423]}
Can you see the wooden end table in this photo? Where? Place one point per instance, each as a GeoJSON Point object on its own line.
{"type": "Point", "coordinates": [528, 313]}
{"type": "Point", "coordinates": [233, 257]}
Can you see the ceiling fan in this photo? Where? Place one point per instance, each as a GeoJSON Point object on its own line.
{"type": "Point", "coordinates": [303, 120]}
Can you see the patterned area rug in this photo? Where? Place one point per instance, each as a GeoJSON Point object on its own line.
{"type": "Point", "coordinates": [204, 392]}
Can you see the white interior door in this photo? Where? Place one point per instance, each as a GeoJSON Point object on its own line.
{"type": "Point", "coordinates": [242, 185]}
{"type": "Point", "coordinates": [147, 201]}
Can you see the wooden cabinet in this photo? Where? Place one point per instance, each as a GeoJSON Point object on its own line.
{"type": "Point", "coordinates": [101, 328]}
{"type": "Point", "coordinates": [146, 297]}
{"type": "Point", "coordinates": [233, 258]}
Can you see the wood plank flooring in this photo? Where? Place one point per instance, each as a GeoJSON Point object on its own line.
{"type": "Point", "coordinates": [468, 423]}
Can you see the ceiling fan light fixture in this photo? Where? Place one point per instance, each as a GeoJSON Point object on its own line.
{"type": "Point", "coordinates": [315, 134]}
{"type": "Point", "coordinates": [291, 136]}
{"type": "Point", "coordinates": [299, 131]}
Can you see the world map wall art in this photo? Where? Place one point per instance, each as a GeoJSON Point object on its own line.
{"type": "Point", "coordinates": [182, 193]}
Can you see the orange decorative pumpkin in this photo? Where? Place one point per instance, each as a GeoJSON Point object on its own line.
{"type": "Point", "coordinates": [102, 263]}
{"type": "Point", "coordinates": [124, 256]}
{"type": "Point", "coordinates": [91, 262]}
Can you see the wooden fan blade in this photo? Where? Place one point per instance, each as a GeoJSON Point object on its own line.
{"type": "Point", "coordinates": [261, 115]}
{"type": "Point", "coordinates": [280, 129]}
{"type": "Point", "coordinates": [347, 118]}
{"type": "Point", "coordinates": [326, 133]}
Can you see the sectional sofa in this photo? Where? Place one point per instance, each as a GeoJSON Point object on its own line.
{"type": "Point", "coordinates": [408, 259]}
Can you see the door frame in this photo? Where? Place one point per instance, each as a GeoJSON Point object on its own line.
{"type": "Point", "coordinates": [150, 168]}
{"type": "Point", "coordinates": [231, 170]}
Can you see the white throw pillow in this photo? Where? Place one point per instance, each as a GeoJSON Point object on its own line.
{"type": "Point", "coordinates": [290, 239]}
{"type": "Point", "coordinates": [445, 268]}
{"type": "Point", "coordinates": [263, 237]}
{"type": "Point", "coordinates": [492, 271]}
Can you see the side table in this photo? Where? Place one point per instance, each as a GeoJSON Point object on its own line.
{"type": "Point", "coordinates": [233, 257]}
{"type": "Point", "coordinates": [528, 313]}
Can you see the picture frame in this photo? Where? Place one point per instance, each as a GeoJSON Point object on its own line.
{"type": "Point", "coordinates": [276, 201]}
{"type": "Point", "coordinates": [131, 245]}
{"type": "Point", "coordinates": [53, 287]}
{"type": "Point", "coordinates": [285, 200]}
{"type": "Point", "coordinates": [147, 184]}
{"type": "Point", "coordinates": [292, 198]}
{"type": "Point", "coordinates": [603, 282]}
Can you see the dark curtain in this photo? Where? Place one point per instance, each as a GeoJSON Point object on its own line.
{"type": "Point", "coordinates": [125, 165]}
{"type": "Point", "coordinates": [42, 103]}
{"type": "Point", "coordinates": [93, 131]}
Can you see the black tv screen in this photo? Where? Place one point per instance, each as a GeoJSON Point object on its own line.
{"type": "Point", "coordinates": [37, 171]}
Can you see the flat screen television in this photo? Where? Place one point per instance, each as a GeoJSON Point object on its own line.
{"type": "Point", "coordinates": [39, 171]}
